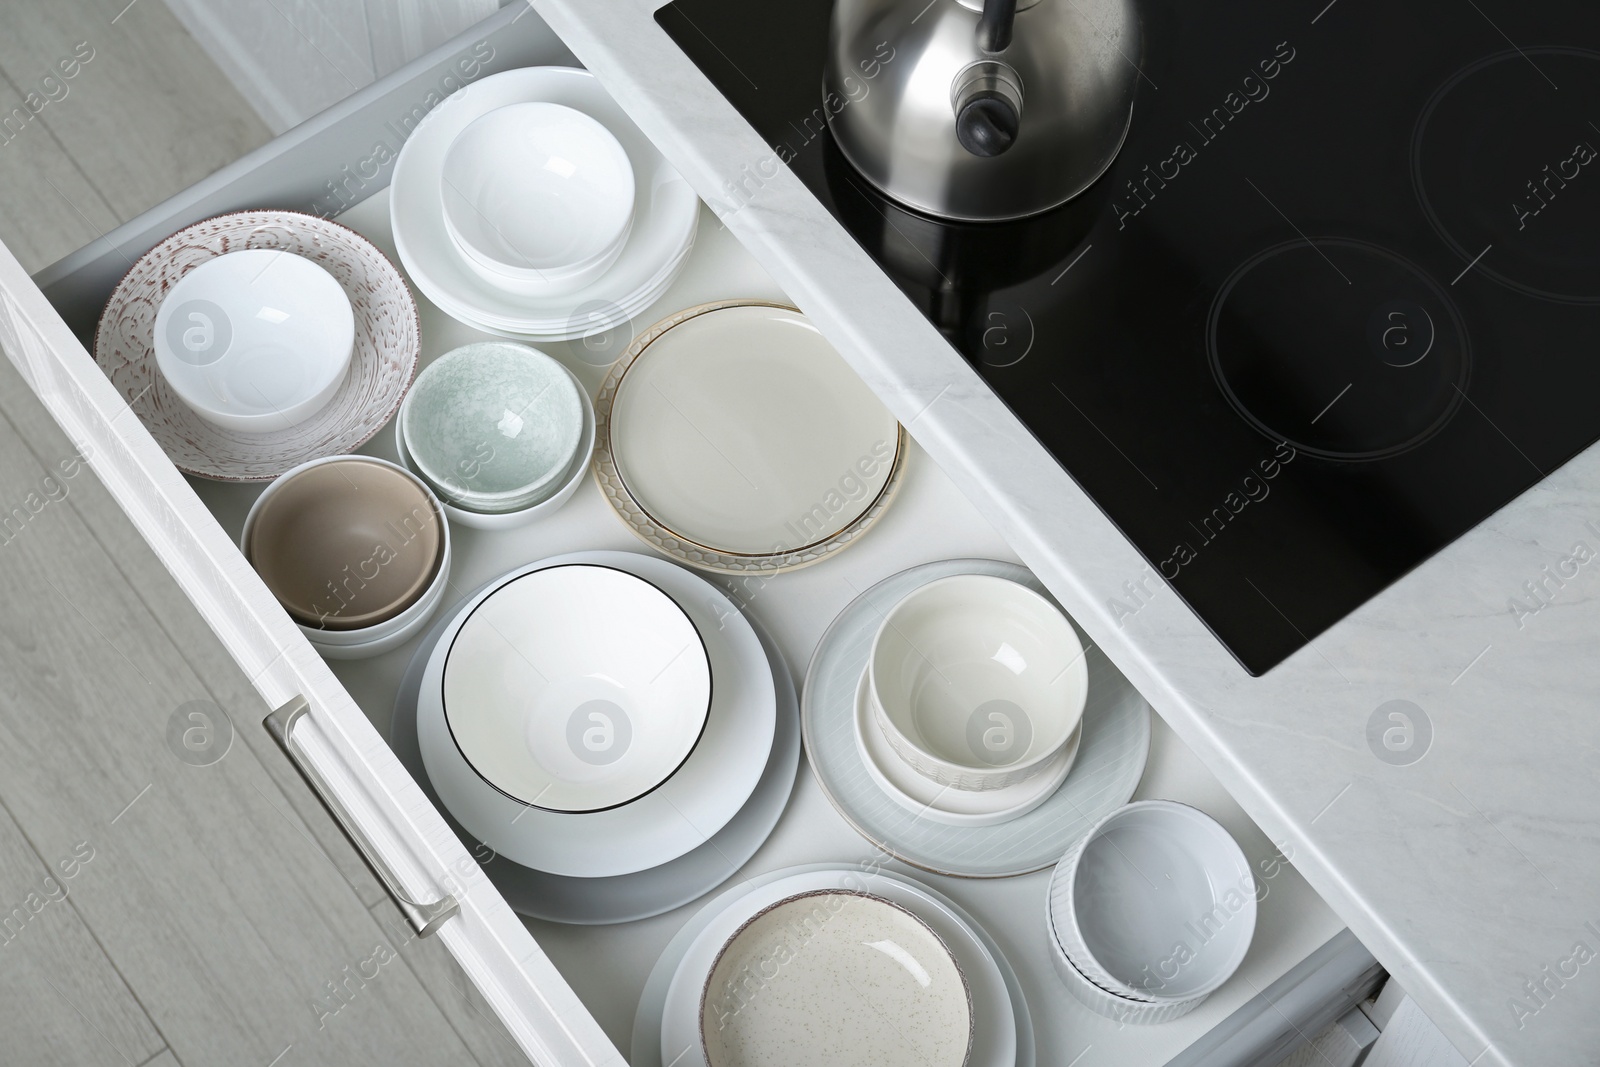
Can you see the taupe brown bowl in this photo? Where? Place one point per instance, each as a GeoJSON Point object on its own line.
{"type": "Point", "coordinates": [346, 543]}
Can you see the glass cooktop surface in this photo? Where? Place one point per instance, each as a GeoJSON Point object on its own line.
{"type": "Point", "coordinates": [1335, 303]}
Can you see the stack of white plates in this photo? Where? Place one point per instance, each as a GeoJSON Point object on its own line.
{"type": "Point", "coordinates": [669, 845]}
{"type": "Point", "coordinates": [666, 211]}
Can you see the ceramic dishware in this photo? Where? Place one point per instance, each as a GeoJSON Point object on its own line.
{"type": "Point", "coordinates": [735, 438]}
{"type": "Point", "coordinates": [678, 817]}
{"type": "Point", "coordinates": [538, 192]}
{"type": "Point", "coordinates": [745, 663]}
{"type": "Point", "coordinates": [851, 961]}
{"type": "Point", "coordinates": [354, 548]}
{"type": "Point", "coordinates": [1156, 904]}
{"type": "Point", "coordinates": [256, 340]}
{"type": "Point", "coordinates": [665, 215]}
{"type": "Point", "coordinates": [382, 363]}
{"type": "Point", "coordinates": [1113, 748]}
{"type": "Point", "coordinates": [493, 426]}
{"type": "Point", "coordinates": [1110, 1005]}
{"type": "Point", "coordinates": [667, 1024]}
{"type": "Point", "coordinates": [932, 802]}
{"type": "Point", "coordinates": [977, 682]}
{"type": "Point", "coordinates": [561, 492]}
{"type": "Point", "coordinates": [577, 688]}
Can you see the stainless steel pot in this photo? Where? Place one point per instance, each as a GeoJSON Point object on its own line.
{"type": "Point", "coordinates": [981, 110]}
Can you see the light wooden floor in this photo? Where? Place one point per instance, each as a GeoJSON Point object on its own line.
{"type": "Point", "coordinates": [143, 115]}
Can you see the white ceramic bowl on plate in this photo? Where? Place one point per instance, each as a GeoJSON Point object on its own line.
{"type": "Point", "coordinates": [1156, 904]}
{"type": "Point", "coordinates": [577, 688]}
{"type": "Point", "coordinates": [858, 980]}
{"type": "Point", "coordinates": [373, 542]}
{"type": "Point", "coordinates": [255, 341]}
{"type": "Point", "coordinates": [538, 192]}
{"type": "Point", "coordinates": [977, 682]}
{"type": "Point", "coordinates": [678, 817]}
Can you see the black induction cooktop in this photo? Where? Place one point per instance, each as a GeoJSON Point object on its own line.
{"type": "Point", "coordinates": [1337, 300]}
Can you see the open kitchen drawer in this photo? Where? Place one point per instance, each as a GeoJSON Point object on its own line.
{"type": "Point", "coordinates": [1303, 971]}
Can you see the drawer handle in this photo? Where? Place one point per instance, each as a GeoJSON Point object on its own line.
{"type": "Point", "coordinates": [424, 919]}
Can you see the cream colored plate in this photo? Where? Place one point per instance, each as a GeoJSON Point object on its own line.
{"type": "Point", "coordinates": [735, 438]}
{"type": "Point", "coordinates": [836, 977]}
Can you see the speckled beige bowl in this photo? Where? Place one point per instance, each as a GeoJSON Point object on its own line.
{"type": "Point", "coordinates": [836, 977]}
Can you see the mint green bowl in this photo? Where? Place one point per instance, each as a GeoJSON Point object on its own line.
{"type": "Point", "coordinates": [493, 426]}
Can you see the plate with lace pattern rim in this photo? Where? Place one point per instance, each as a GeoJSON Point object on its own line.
{"type": "Point", "coordinates": [1111, 757]}
{"type": "Point", "coordinates": [679, 547]}
{"type": "Point", "coordinates": [387, 344]}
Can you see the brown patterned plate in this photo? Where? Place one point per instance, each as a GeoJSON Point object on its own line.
{"type": "Point", "coordinates": [388, 339]}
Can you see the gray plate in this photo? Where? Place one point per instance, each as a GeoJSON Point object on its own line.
{"type": "Point", "coordinates": [599, 901]}
{"type": "Point", "coordinates": [1116, 743]}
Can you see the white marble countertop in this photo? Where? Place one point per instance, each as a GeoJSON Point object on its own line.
{"type": "Point", "coordinates": [1473, 873]}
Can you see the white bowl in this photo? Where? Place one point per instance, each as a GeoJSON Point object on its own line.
{"type": "Point", "coordinates": [577, 688]}
{"type": "Point", "coordinates": [977, 682]}
{"type": "Point", "coordinates": [393, 632]}
{"type": "Point", "coordinates": [837, 977]}
{"type": "Point", "coordinates": [511, 520]}
{"type": "Point", "coordinates": [256, 340]}
{"type": "Point", "coordinates": [538, 192]}
{"type": "Point", "coordinates": [1102, 1002]}
{"type": "Point", "coordinates": [1156, 903]}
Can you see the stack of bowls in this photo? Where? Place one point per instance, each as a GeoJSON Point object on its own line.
{"type": "Point", "coordinates": [499, 431]}
{"type": "Point", "coordinates": [1151, 912]}
{"type": "Point", "coordinates": [977, 685]}
{"type": "Point", "coordinates": [354, 549]}
{"type": "Point", "coordinates": [538, 197]}
{"type": "Point", "coordinates": [255, 341]}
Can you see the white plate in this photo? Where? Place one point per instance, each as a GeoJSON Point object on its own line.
{"type": "Point", "coordinates": [387, 340]}
{"type": "Point", "coordinates": [628, 897]}
{"type": "Point", "coordinates": [946, 804]}
{"type": "Point", "coordinates": [1112, 751]}
{"type": "Point", "coordinates": [732, 437]}
{"type": "Point", "coordinates": [665, 208]}
{"type": "Point", "coordinates": [1003, 1033]}
{"type": "Point", "coordinates": [576, 689]}
{"type": "Point", "coordinates": [690, 806]}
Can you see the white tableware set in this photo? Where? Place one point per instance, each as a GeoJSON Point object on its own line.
{"type": "Point", "coordinates": [529, 205]}
{"type": "Point", "coordinates": [1151, 912]}
{"type": "Point", "coordinates": [610, 726]}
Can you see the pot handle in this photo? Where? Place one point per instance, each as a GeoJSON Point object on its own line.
{"type": "Point", "coordinates": [995, 24]}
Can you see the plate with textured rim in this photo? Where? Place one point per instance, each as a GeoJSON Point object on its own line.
{"type": "Point", "coordinates": [668, 1012]}
{"type": "Point", "coordinates": [1112, 752]}
{"type": "Point", "coordinates": [387, 343]}
{"type": "Point", "coordinates": [842, 524]}
{"type": "Point", "coordinates": [628, 897]}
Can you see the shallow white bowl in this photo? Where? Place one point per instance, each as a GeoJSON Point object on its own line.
{"type": "Point", "coordinates": [256, 340]}
{"type": "Point", "coordinates": [1156, 903]}
{"type": "Point", "coordinates": [690, 807]}
{"type": "Point", "coordinates": [511, 520]}
{"type": "Point", "coordinates": [380, 637]}
{"type": "Point", "coordinates": [977, 682]}
{"type": "Point", "coordinates": [1102, 1002]}
{"type": "Point", "coordinates": [577, 688]}
{"type": "Point", "coordinates": [836, 977]}
{"type": "Point", "coordinates": [538, 192]}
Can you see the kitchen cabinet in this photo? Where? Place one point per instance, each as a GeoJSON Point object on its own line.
{"type": "Point", "coordinates": [566, 995]}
